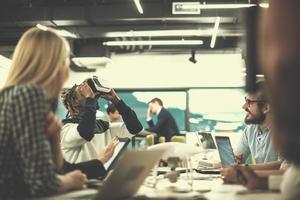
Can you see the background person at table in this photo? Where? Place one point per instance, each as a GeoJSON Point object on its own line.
{"type": "Point", "coordinates": [166, 125]}
{"type": "Point", "coordinates": [113, 113]}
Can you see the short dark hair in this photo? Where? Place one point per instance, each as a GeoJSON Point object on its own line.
{"type": "Point", "coordinates": [111, 108]}
{"type": "Point", "coordinates": [261, 88]}
{"type": "Point", "coordinates": [159, 101]}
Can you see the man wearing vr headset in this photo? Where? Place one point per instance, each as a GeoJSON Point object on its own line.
{"type": "Point", "coordinates": [82, 136]}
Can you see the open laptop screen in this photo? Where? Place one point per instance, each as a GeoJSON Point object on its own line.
{"type": "Point", "coordinates": [225, 150]}
{"type": "Point", "coordinates": [206, 140]}
{"type": "Point", "coordinates": [121, 146]}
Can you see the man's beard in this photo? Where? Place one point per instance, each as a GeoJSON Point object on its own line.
{"type": "Point", "coordinates": [259, 119]}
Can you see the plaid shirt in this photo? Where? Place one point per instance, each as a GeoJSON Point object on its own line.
{"type": "Point", "coordinates": [26, 165]}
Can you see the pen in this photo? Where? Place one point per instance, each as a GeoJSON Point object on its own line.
{"type": "Point", "coordinates": [253, 160]}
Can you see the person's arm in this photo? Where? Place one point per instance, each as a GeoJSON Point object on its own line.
{"type": "Point", "coordinates": [86, 125]}
{"type": "Point", "coordinates": [160, 123]}
{"type": "Point", "coordinates": [272, 165]}
{"type": "Point", "coordinates": [130, 119]}
{"type": "Point", "coordinates": [243, 150]}
{"type": "Point", "coordinates": [94, 168]}
{"type": "Point", "coordinates": [266, 173]}
{"type": "Point", "coordinates": [244, 175]}
{"type": "Point", "coordinates": [29, 115]}
{"type": "Point", "coordinates": [150, 123]}
{"type": "Point", "coordinates": [53, 134]}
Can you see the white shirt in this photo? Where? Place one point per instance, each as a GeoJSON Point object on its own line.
{"type": "Point", "coordinates": [75, 149]}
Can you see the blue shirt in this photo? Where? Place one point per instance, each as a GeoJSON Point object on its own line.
{"type": "Point", "coordinates": [257, 143]}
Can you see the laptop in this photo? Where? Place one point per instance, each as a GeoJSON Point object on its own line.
{"type": "Point", "coordinates": [206, 140]}
{"type": "Point", "coordinates": [128, 175]}
{"type": "Point", "coordinates": [119, 149]}
{"type": "Point", "coordinates": [225, 150]}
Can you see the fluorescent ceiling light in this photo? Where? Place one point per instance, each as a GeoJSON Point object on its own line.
{"type": "Point", "coordinates": [214, 35]}
{"type": "Point", "coordinates": [91, 61]}
{"type": "Point", "coordinates": [179, 32]}
{"type": "Point", "coordinates": [157, 33]}
{"type": "Point", "coordinates": [138, 6]}
{"type": "Point", "coordinates": [153, 42]}
{"type": "Point", "coordinates": [220, 6]}
{"type": "Point", "coordinates": [66, 34]}
{"type": "Point", "coordinates": [63, 33]}
{"type": "Point", "coordinates": [264, 5]}
{"type": "Point", "coordinates": [42, 27]}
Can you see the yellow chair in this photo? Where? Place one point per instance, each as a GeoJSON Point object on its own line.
{"type": "Point", "coordinates": [161, 139]}
{"type": "Point", "coordinates": [176, 138]}
{"type": "Point", "coordinates": [150, 139]}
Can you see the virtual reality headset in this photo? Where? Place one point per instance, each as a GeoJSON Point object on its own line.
{"type": "Point", "coordinates": [96, 86]}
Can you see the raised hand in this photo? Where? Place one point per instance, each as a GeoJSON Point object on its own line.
{"type": "Point", "coordinates": [108, 151]}
{"type": "Point", "coordinates": [85, 90]}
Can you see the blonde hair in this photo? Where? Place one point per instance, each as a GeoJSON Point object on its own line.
{"type": "Point", "coordinates": [38, 58]}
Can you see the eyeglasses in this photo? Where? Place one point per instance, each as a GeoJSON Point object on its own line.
{"type": "Point", "coordinates": [249, 101]}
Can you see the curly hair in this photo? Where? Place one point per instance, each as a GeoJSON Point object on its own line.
{"type": "Point", "coordinates": [68, 98]}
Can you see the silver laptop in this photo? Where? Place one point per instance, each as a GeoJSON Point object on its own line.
{"type": "Point", "coordinates": [129, 174]}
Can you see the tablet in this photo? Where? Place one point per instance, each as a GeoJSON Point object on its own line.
{"type": "Point", "coordinates": [121, 146]}
{"type": "Point", "coordinates": [225, 150]}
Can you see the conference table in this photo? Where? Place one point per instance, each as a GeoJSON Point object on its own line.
{"type": "Point", "coordinates": [209, 187]}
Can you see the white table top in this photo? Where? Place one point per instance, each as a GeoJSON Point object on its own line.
{"type": "Point", "coordinates": [211, 188]}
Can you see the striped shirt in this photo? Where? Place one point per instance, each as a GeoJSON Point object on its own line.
{"type": "Point", "coordinates": [26, 165]}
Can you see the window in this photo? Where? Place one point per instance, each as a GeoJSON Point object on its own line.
{"type": "Point", "coordinates": [216, 109]}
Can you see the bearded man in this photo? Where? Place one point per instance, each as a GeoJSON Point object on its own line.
{"type": "Point", "coordinates": [256, 138]}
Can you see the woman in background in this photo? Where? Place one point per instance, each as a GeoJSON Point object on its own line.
{"type": "Point", "coordinates": [40, 66]}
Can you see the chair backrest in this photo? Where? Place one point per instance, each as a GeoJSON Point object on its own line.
{"type": "Point", "coordinates": [150, 139]}
{"type": "Point", "coordinates": [177, 138]}
{"type": "Point", "coordinates": [161, 139]}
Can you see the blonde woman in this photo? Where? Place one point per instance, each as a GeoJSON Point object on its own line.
{"type": "Point", "coordinates": [27, 126]}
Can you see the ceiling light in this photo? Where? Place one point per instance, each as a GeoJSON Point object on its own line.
{"type": "Point", "coordinates": [157, 33]}
{"type": "Point", "coordinates": [91, 61]}
{"type": "Point", "coordinates": [67, 34]}
{"type": "Point", "coordinates": [179, 8]}
{"type": "Point", "coordinates": [63, 33]}
{"type": "Point", "coordinates": [178, 32]}
{"type": "Point", "coordinates": [138, 6]}
{"type": "Point", "coordinates": [220, 6]}
{"type": "Point", "coordinates": [264, 5]}
{"type": "Point", "coordinates": [215, 32]}
{"type": "Point", "coordinates": [153, 42]}
{"type": "Point", "coordinates": [42, 27]}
